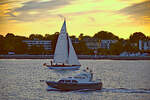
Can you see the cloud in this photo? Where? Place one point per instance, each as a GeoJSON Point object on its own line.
{"type": "Point", "coordinates": [1, 19]}
{"type": "Point", "coordinates": [138, 11]}
{"type": "Point", "coordinates": [11, 14]}
{"type": "Point", "coordinates": [37, 5]}
{"type": "Point", "coordinates": [87, 12]}
{"type": "Point", "coordinates": [43, 9]}
{"type": "Point", "coordinates": [2, 2]}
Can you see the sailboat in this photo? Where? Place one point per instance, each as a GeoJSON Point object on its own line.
{"type": "Point", "coordinates": [64, 56]}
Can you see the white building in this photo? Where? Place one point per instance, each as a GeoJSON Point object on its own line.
{"type": "Point", "coordinates": [144, 45]}
{"type": "Point", "coordinates": [92, 43]}
{"type": "Point", "coordinates": [45, 43]}
{"type": "Point", "coordinates": [106, 43]}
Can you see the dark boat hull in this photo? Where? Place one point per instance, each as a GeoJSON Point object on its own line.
{"type": "Point", "coordinates": [75, 86]}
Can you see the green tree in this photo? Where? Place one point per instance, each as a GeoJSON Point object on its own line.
{"type": "Point", "coordinates": [104, 35]}
{"type": "Point", "coordinates": [9, 42]}
{"type": "Point", "coordinates": [81, 36]}
{"type": "Point", "coordinates": [48, 37]}
{"type": "Point", "coordinates": [20, 46]}
{"type": "Point", "coordinates": [130, 47]}
{"type": "Point", "coordinates": [36, 36]}
{"type": "Point", "coordinates": [14, 43]}
{"type": "Point", "coordinates": [36, 49]}
{"type": "Point", "coordinates": [135, 37]}
{"type": "Point", "coordinates": [2, 44]}
{"type": "Point", "coordinates": [116, 48]}
{"type": "Point", "coordinates": [73, 37]}
{"type": "Point", "coordinates": [10, 35]}
{"type": "Point", "coordinates": [81, 48]}
{"type": "Point", "coordinates": [103, 51]}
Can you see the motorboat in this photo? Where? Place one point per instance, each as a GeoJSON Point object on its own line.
{"type": "Point", "coordinates": [81, 81]}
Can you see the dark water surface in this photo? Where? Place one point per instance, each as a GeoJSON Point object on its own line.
{"type": "Point", "coordinates": [122, 80]}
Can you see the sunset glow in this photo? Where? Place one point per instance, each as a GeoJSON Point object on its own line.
{"type": "Point", "coordinates": [121, 17]}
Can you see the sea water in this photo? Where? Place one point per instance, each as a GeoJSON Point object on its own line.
{"type": "Point", "coordinates": [24, 79]}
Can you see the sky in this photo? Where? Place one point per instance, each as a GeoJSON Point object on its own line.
{"type": "Point", "coordinates": [121, 17]}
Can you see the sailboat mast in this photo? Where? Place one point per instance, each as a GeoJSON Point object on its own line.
{"type": "Point", "coordinates": [68, 47]}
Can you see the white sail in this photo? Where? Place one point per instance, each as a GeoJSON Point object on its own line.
{"type": "Point", "coordinates": [64, 51]}
{"type": "Point", "coordinates": [72, 59]}
{"type": "Point", "coordinates": [61, 54]}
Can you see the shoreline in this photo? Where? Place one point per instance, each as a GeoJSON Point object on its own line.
{"type": "Point", "coordinates": [79, 57]}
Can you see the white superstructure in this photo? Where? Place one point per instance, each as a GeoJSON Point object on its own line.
{"type": "Point", "coordinates": [84, 77]}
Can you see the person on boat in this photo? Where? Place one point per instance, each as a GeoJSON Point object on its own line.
{"type": "Point", "coordinates": [63, 64]}
{"type": "Point", "coordinates": [51, 63]}
{"type": "Point", "coordinates": [44, 64]}
{"type": "Point", "coordinates": [91, 75]}
{"type": "Point", "coordinates": [87, 68]}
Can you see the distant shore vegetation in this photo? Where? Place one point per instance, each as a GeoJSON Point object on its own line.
{"type": "Point", "coordinates": [14, 43]}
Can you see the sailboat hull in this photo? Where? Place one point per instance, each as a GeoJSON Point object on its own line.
{"type": "Point", "coordinates": [65, 67]}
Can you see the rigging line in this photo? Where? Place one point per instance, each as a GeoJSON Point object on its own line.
{"type": "Point", "coordinates": [68, 44]}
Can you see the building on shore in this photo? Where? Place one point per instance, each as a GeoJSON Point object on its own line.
{"type": "Point", "coordinates": [92, 43]}
{"type": "Point", "coordinates": [105, 44]}
{"type": "Point", "coordinates": [45, 43]}
{"type": "Point", "coordinates": [144, 45]}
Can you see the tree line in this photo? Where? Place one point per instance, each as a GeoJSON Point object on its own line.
{"type": "Point", "coordinates": [14, 43]}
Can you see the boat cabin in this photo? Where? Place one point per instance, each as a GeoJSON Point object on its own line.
{"type": "Point", "coordinates": [67, 81]}
{"type": "Point", "coordinates": [80, 78]}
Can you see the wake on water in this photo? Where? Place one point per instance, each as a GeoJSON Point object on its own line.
{"type": "Point", "coordinates": [125, 90]}
{"type": "Point", "coordinates": [113, 90]}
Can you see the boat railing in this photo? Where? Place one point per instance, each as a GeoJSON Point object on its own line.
{"type": "Point", "coordinates": [51, 78]}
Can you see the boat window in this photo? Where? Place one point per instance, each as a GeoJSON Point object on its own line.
{"type": "Point", "coordinates": [67, 81]}
{"type": "Point", "coordinates": [83, 77]}
{"type": "Point", "coordinates": [79, 77]}
{"type": "Point", "coordinates": [61, 81]}
{"type": "Point", "coordinates": [74, 81]}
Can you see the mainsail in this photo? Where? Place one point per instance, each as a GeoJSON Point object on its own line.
{"type": "Point", "coordinates": [64, 51]}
